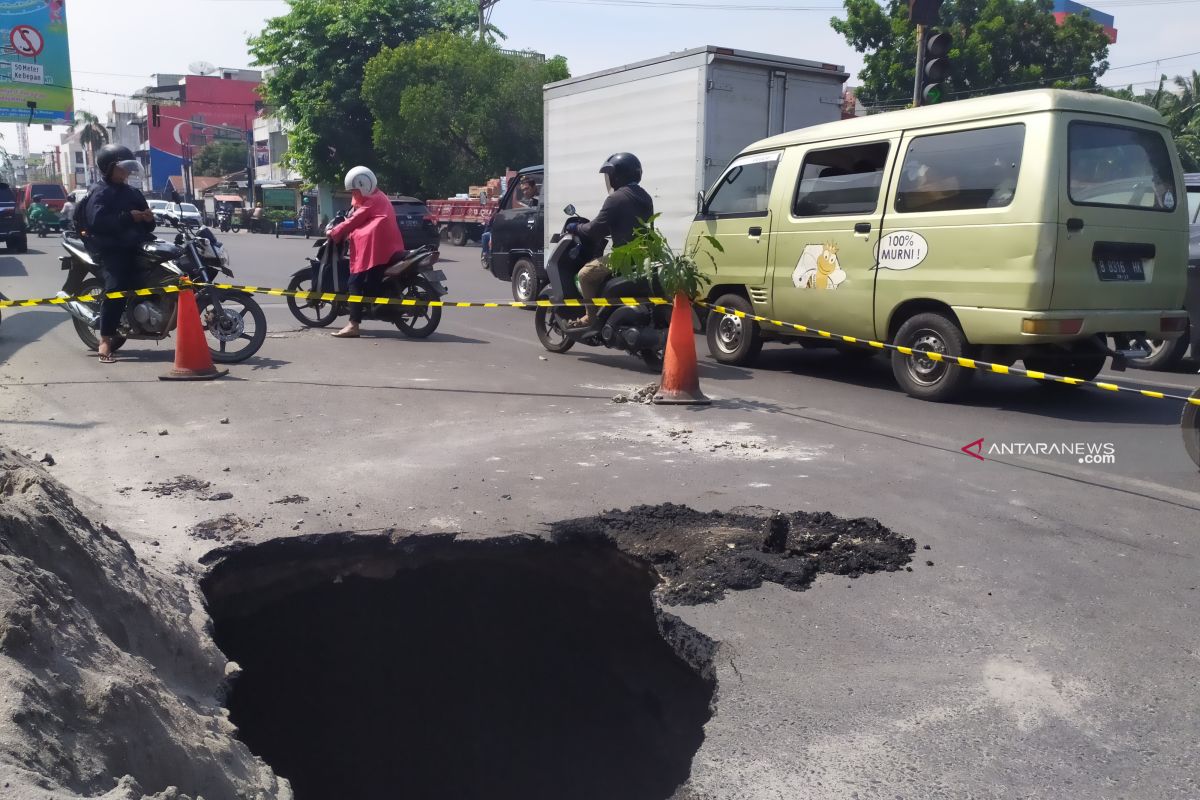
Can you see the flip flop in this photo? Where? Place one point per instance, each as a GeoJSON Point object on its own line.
{"type": "Point", "coordinates": [578, 324]}
{"type": "Point", "coordinates": [340, 335]}
{"type": "Point", "coordinates": [107, 358]}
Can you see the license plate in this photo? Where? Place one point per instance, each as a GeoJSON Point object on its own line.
{"type": "Point", "coordinates": [1120, 269]}
{"type": "Point", "coordinates": [409, 223]}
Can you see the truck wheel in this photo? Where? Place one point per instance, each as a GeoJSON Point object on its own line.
{"type": "Point", "coordinates": [921, 376]}
{"type": "Point", "coordinates": [525, 286]}
{"type": "Point", "coordinates": [733, 339]}
{"type": "Point", "coordinates": [458, 235]}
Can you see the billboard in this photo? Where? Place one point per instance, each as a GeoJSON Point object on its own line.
{"type": "Point", "coordinates": [1066, 8]}
{"type": "Point", "coordinates": [35, 63]}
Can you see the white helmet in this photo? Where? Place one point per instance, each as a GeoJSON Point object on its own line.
{"type": "Point", "coordinates": [362, 179]}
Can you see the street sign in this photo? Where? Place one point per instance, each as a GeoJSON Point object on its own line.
{"type": "Point", "coordinates": [35, 74]}
{"type": "Point", "coordinates": [27, 41]}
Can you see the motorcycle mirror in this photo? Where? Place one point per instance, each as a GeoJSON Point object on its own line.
{"type": "Point", "coordinates": [570, 210]}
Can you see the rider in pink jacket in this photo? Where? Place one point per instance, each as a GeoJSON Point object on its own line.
{"type": "Point", "coordinates": [375, 240]}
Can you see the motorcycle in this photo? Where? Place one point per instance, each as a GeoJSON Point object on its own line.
{"type": "Point", "coordinates": [637, 330]}
{"type": "Point", "coordinates": [409, 276]}
{"type": "Point", "coordinates": [224, 221]}
{"type": "Point", "coordinates": [234, 323]}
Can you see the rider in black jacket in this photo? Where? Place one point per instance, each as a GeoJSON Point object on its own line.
{"type": "Point", "coordinates": [118, 221]}
{"type": "Point", "coordinates": [627, 206]}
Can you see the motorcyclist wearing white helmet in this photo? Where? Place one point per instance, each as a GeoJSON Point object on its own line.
{"type": "Point", "coordinates": [375, 240]}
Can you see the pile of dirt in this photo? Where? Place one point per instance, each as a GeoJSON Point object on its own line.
{"type": "Point", "coordinates": [701, 555]}
{"type": "Point", "coordinates": [180, 484]}
{"type": "Point", "coordinates": [110, 686]}
{"type": "Point", "coordinates": [644, 395]}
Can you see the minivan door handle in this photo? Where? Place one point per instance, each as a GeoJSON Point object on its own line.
{"type": "Point", "coordinates": [1074, 224]}
{"type": "Point", "coordinates": [755, 231]}
{"type": "Point", "coordinates": [862, 227]}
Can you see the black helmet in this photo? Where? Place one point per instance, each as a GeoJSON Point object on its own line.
{"type": "Point", "coordinates": [37, 198]}
{"type": "Point", "coordinates": [110, 155]}
{"type": "Point", "coordinates": [622, 169]}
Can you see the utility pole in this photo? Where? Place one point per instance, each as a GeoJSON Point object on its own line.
{"type": "Point", "coordinates": [484, 8]}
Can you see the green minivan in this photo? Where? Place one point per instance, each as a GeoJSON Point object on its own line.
{"type": "Point", "coordinates": [1028, 226]}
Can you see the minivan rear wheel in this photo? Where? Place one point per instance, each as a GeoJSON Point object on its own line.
{"type": "Point", "coordinates": [525, 286]}
{"type": "Point", "coordinates": [732, 339]}
{"type": "Point", "coordinates": [926, 378]}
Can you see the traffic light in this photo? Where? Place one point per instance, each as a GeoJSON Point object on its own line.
{"type": "Point", "coordinates": [936, 68]}
{"type": "Point", "coordinates": [924, 12]}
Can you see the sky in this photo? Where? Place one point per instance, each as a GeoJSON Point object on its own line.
{"type": "Point", "coordinates": [117, 44]}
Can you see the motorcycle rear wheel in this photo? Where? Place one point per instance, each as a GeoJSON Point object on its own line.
{"type": "Point", "coordinates": [314, 314]}
{"type": "Point", "coordinates": [86, 333]}
{"type": "Point", "coordinates": [419, 322]}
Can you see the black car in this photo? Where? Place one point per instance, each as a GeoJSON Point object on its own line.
{"type": "Point", "coordinates": [515, 249]}
{"type": "Point", "coordinates": [416, 223]}
{"type": "Point", "coordinates": [12, 221]}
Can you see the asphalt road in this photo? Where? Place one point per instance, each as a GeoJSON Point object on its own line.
{"type": "Point", "coordinates": [1049, 651]}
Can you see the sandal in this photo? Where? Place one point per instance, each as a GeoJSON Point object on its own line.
{"type": "Point", "coordinates": [578, 324]}
{"type": "Point", "coordinates": [107, 358]}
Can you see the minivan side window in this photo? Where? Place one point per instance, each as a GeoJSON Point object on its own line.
{"type": "Point", "coordinates": [962, 170]}
{"type": "Point", "coordinates": [745, 188]}
{"type": "Point", "coordinates": [845, 180]}
{"type": "Point", "coordinates": [1116, 166]}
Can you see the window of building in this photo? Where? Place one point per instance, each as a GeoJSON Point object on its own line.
{"type": "Point", "coordinates": [1112, 165]}
{"type": "Point", "coordinates": [78, 156]}
{"type": "Point", "coordinates": [844, 180]}
{"type": "Point", "coordinates": [962, 170]}
{"type": "Point", "coordinates": [745, 189]}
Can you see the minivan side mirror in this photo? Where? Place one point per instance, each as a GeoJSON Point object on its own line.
{"type": "Point", "coordinates": [570, 210]}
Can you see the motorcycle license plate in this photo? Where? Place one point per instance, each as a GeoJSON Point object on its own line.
{"type": "Point", "coordinates": [1120, 269]}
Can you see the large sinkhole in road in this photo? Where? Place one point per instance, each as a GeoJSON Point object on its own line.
{"type": "Point", "coordinates": [375, 667]}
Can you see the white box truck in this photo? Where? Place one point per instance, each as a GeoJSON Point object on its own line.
{"type": "Point", "coordinates": [685, 115]}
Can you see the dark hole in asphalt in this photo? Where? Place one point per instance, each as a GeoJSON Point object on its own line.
{"type": "Point", "coordinates": [425, 666]}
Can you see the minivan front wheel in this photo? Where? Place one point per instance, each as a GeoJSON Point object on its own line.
{"type": "Point", "coordinates": [732, 339]}
{"type": "Point", "coordinates": [927, 378]}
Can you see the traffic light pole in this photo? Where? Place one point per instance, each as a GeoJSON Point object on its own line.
{"type": "Point", "coordinates": [919, 79]}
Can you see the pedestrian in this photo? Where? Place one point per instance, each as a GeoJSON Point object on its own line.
{"type": "Point", "coordinates": [375, 239]}
{"type": "Point", "coordinates": [118, 221]}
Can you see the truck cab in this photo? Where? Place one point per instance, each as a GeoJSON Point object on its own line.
{"type": "Point", "coordinates": [515, 248]}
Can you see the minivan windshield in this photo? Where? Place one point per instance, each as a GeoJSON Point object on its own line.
{"type": "Point", "coordinates": [1120, 167]}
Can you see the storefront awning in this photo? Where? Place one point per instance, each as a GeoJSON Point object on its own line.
{"type": "Point", "coordinates": [227, 198]}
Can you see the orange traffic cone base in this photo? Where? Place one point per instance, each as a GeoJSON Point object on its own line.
{"type": "Point", "coordinates": [193, 360]}
{"type": "Point", "coordinates": [680, 375]}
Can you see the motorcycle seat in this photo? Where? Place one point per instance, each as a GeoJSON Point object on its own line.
{"type": "Point", "coordinates": [626, 287]}
{"type": "Point", "coordinates": [404, 261]}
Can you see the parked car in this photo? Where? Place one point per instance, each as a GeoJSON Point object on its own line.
{"type": "Point", "coordinates": [416, 223]}
{"type": "Point", "coordinates": [190, 215]}
{"type": "Point", "coordinates": [515, 244]}
{"type": "Point", "coordinates": [53, 195]}
{"type": "Point", "coordinates": [1028, 226]}
{"type": "Point", "coordinates": [161, 209]}
{"type": "Point", "coordinates": [12, 221]}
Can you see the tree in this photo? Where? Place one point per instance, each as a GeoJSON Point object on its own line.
{"type": "Point", "coordinates": [318, 51]}
{"type": "Point", "coordinates": [998, 46]}
{"type": "Point", "coordinates": [451, 110]}
{"type": "Point", "coordinates": [92, 136]}
{"type": "Point", "coordinates": [219, 159]}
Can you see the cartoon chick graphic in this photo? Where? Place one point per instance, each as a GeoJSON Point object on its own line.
{"type": "Point", "coordinates": [819, 268]}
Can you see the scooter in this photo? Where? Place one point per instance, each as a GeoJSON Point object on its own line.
{"type": "Point", "coordinates": [410, 276]}
{"type": "Point", "coordinates": [224, 221]}
{"type": "Point", "coordinates": [637, 330]}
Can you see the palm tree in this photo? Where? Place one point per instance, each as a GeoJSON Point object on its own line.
{"type": "Point", "coordinates": [92, 135]}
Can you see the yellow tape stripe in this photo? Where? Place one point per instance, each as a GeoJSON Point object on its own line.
{"type": "Point", "coordinates": [968, 363]}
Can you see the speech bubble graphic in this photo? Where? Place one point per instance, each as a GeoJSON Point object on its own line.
{"type": "Point", "coordinates": [901, 250]}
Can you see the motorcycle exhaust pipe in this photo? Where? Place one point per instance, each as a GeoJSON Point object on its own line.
{"type": "Point", "coordinates": [638, 339]}
{"type": "Point", "coordinates": [84, 312]}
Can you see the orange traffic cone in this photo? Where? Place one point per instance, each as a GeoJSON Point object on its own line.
{"type": "Point", "coordinates": [193, 361]}
{"type": "Point", "coordinates": [680, 377]}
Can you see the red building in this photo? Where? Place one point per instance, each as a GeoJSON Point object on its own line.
{"type": "Point", "coordinates": [193, 111]}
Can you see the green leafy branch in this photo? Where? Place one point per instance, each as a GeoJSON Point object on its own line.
{"type": "Point", "coordinates": [648, 255]}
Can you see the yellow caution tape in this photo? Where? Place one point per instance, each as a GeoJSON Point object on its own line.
{"type": "Point", "coordinates": [91, 298]}
{"type": "Point", "coordinates": [332, 297]}
{"type": "Point", "coordinates": [968, 363]}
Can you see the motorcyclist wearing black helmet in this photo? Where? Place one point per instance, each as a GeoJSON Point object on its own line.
{"type": "Point", "coordinates": [118, 221]}
{"type": "Point", "coordinates": [627, 206]}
